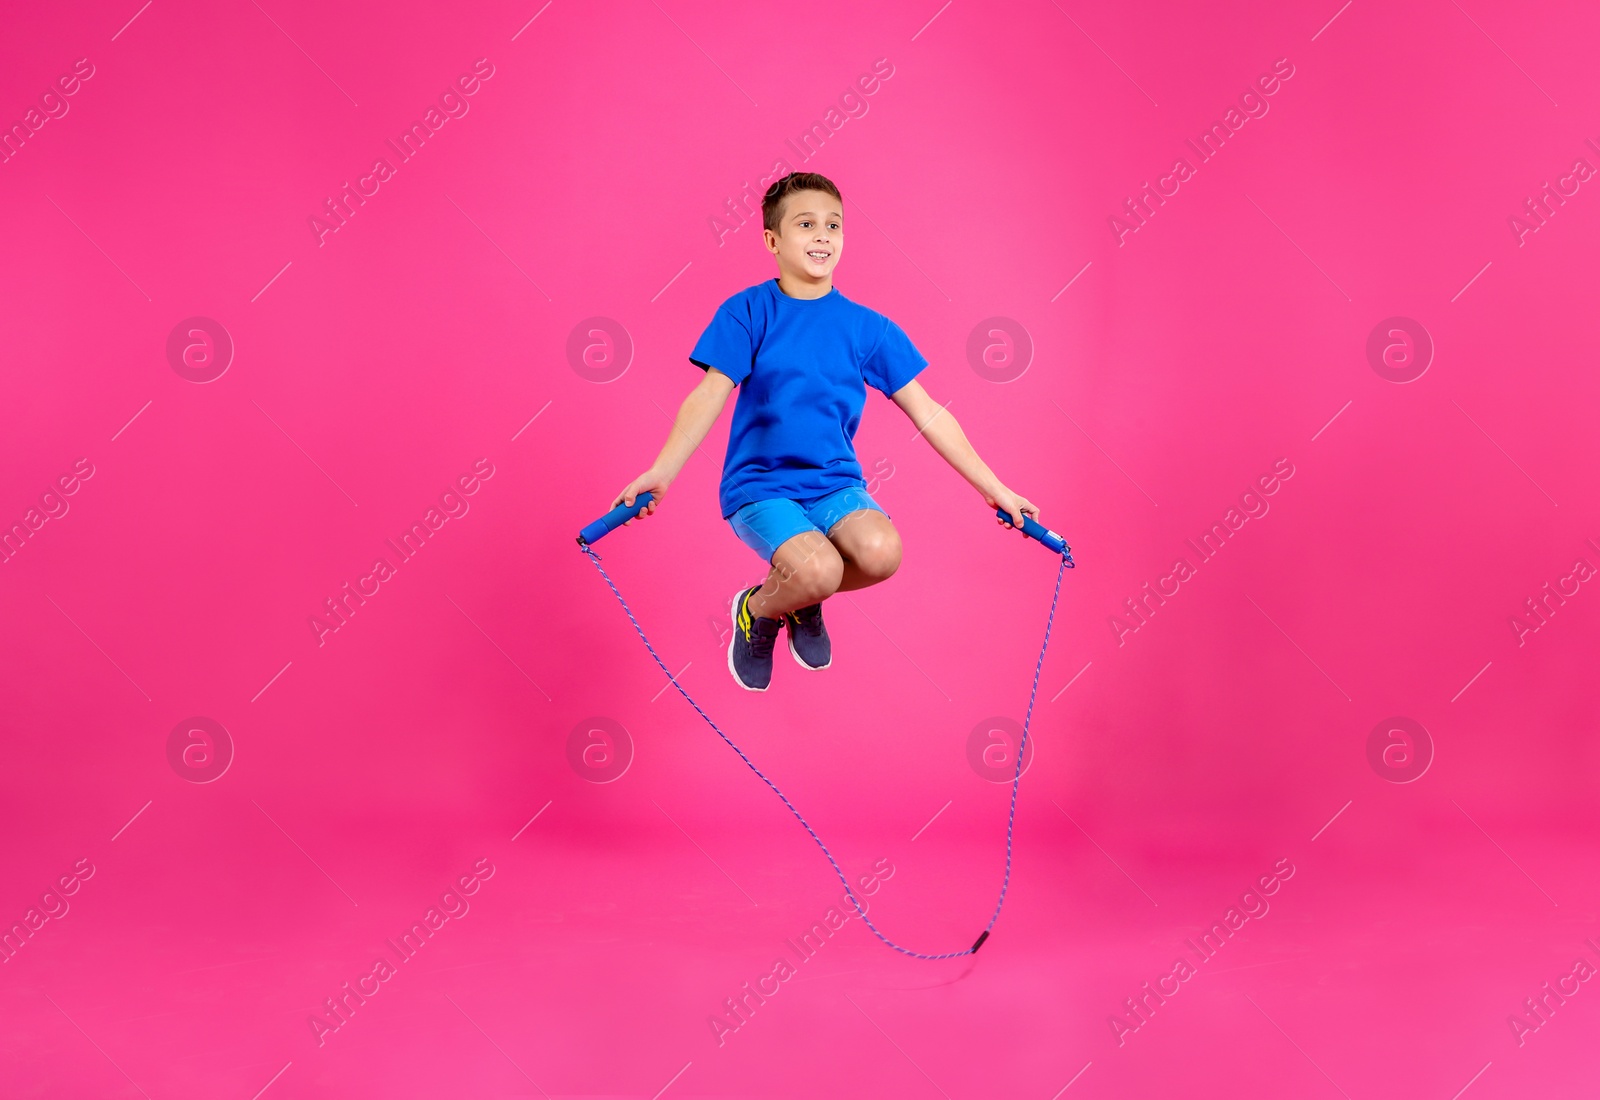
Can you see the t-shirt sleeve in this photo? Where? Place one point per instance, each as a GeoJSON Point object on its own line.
{"type": "Point", "coordinates": [726, 345]}
{"type": "Point", "coordinates": [894, 362]}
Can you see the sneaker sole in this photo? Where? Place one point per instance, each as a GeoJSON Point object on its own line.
{"type": "Point", "coordinates": [734, 619]}
{"type": "Point", "coordinates": [796, 653]}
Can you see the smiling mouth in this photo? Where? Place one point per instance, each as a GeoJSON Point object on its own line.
{"type": "Point", "coordinates": [819, 257]}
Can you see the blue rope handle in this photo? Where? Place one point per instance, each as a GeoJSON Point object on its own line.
{"type": "Point", "coordinates": [1016, 780]}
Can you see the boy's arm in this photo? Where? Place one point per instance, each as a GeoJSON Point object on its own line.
{"type": "Point", "coordinates": [943, 433]}
{"type": "Point", "coordinates": [698, 412]}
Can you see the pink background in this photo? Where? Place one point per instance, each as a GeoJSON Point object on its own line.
{"type": "Point", "coordinates": [432, 729]}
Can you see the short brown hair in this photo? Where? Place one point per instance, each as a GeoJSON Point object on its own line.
{"type": "Point", "coordinates": [772, 201]}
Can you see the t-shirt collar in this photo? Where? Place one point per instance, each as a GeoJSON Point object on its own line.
{"type": "Point", "coordinates": [777, 292]}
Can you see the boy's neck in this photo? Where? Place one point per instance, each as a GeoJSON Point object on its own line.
{"type": "Point", "coordinates": [800, 286]}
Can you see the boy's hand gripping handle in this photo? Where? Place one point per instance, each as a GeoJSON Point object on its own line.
{"type": "Point", "coordinates": [1036, 530]}
{"type": "Point", "coordinates": [613, 519]}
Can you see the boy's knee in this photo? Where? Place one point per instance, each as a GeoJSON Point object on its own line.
{"type": "Point", "coordinates": [819, 576]}
{"type": "Point", "coordinates": [809, 570]}
{"type": "Point", "coordinates": [879, 557]}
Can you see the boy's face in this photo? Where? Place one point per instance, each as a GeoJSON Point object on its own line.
{"type": "Point", "coordinates": [810, 236]}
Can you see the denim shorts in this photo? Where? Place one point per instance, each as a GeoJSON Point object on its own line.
{"type": "Point", "coordinates": [765, 525]}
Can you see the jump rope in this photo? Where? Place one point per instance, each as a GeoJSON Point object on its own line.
{"type": "Point", "coordinates": [1030, 527]}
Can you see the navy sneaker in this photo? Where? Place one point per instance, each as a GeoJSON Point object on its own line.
{"type": "Point", "coordinates": [750, 650]}
{"type": "Point", "coordinates": [808, 637]}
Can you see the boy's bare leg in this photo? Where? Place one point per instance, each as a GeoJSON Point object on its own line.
{"type": "Point", "coordinates": [805, 570]}
{"type": "Point", "coordinates": [862, 549]}
{"type": "Point", "coordinates": [868, 545]}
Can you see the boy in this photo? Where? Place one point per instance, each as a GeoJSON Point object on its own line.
{"type": "Point", "coordinates": [792, 488]}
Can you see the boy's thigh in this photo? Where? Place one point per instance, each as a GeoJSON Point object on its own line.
{"type": "Point", "coordinates": [865, 534]}
{"type": "Point", "coordinates": [790, 534]}
{"type": "Point", "coordinates": [808, 555]}
{"type": "Point", "coordinates": [853, 521]}
{"type": "Point", "coordinates": [783, 534]}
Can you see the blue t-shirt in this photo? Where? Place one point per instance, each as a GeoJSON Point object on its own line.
{"type": "Point", "coordinates": [802, 366]}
